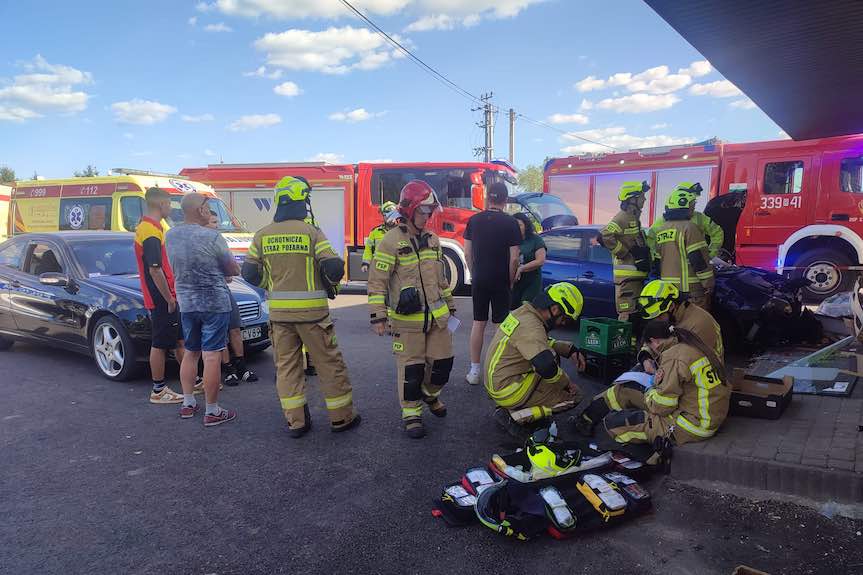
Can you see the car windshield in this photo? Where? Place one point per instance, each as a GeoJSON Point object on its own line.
{"type": "Point", "coordinates": [546, 206]}
{"type": "Point", "coordinates": [109, 257]}
{"type": "Point", "coordinates": [227, 222]}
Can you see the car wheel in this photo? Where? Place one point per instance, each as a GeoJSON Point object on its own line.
{"type": "Point", "coordinates": [5, 343]}
{"type": "Point", "coordinates": [113, 350]}
{"type": "Point", "coordinates": [824, 268]}
{"type": "Point", "coordinates": [453, 271]}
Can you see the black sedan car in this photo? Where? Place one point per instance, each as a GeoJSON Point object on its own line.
{"type": "Point", "coordinates": [81, 291]}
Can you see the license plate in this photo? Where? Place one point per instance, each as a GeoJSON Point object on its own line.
{"type": "Point", "coordinates": [252, 333]}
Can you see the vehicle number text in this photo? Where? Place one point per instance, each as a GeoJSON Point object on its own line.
{"type": "Point", "coordinates": [777, 202]}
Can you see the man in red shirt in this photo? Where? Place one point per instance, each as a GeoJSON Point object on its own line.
{"type": "Point", "coordinates": [157, 284]}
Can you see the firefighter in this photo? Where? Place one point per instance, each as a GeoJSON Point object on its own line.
{"type": "Point", "coordinates": [687, 402]}
{"type": "Point", "coordinates": [387, 210]}
{"type": "Point", "coordinates": [296, 264]}
{"type": "Point", "coordinates": [407, 271]}
{"type": "Point", "coordinates": [624, 237]}
{"type": "Point", "coordinates": [523, 375]}
{"type": "Point", "coordinates": [712, 231]}
{"type": "Point", "coordinates": [679, 246]}
{"type": "Point", "coordinates": [661, 300]}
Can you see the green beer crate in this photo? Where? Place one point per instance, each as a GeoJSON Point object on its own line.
{"type": "Point", "coordinates": [605, 336]}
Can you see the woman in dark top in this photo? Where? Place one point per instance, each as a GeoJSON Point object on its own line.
{"type": "Point", "coordinates": [528, 279]}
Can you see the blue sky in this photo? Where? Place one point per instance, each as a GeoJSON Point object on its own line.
{"type": "Point", "coordinates": [165, 84]}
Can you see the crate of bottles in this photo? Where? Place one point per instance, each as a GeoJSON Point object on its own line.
{"type": "Point", "coordinates": [605, 336]}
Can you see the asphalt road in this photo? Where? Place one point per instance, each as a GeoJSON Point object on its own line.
{"type": "Point", "coordinates": [94, 479]}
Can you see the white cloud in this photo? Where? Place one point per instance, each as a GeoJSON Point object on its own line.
{"type": "Point", "coordinates": [262, 72]}
{"type": "Point", "coordinates": [209, 153]}
{"type": "Point", "coordinates": [660, 126]}
{"type": "Point", "coordinates": [143, 112]}
{"type": "Point", "coordinates": [589, 84]}
{"type": "Point", "coordinates": [717, 89]}
{"type": "Point", "coordinates": [204, 7]}
{"type": "Point", "coordinates": [328, 157]}
{"type": "Point", "coordinates": [129, 136]}
{"type": "Point", "coordinates": [585, 105]}
{"type": "Point", "coordinates": [332, 51]}
{"type": "Point", "coordinates": [697, 69]}
{"type": "Point", "coordinates": [568, 119]}
{"type": "Point", "coordinates": [44, 88]}
{"type": "Point", "coordinates": [254, 121]}
{"type": "Point", "coordinates": [219, 27]}
{"type": "Point", "coordinates": [638, 103]}
{"type": "Point", "coordinates": [744, 104]}
{"type": "Point", "coordinates": [288, 89]}
{"type": "Point", "coordinates": [353, 116]}
{"type": "Point", "coordinates": [193, 21]}
{"type": "Point", "coordinates": [617, 137]}
{"type": "Point", "coordinates": [198, 119]}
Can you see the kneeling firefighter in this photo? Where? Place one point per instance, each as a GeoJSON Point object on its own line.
{"type": "Point", "coordinates": [523, 375]}
{"type": "Point", "coordinates": [408, 272]}
{"type": "Point", "coordinates": [295, 263]}
{"type": "Point", "coordinates": [687, 402]}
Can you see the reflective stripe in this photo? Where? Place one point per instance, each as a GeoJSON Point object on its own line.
{"type": "Point", "coordinates": [656, 397]}
{"type": "Point", "coordinates": [293, 402]}
{"type": "Point", "coordinates": [612, 399]}
{"type": "Point", "coordinates": [429, 393]}
{"type": "Point", "coordinates": [626, 273]}
{"type": "Point", "coordinates": [310, 274]}
{"type": "Point", "coordinates": [412, 412]}
{"type": "Point", "coordinates": [428, 254]}
{"type": "Point", "coordinates": [696, 246]}
{"type": "Point", "coordinates": [253, 250]}
{"type": "Point", "coordinates": [556, 377]}
{"type": "Point", "coordinates": [339, 402]}
{"type": "Point", "coordinates": [298, 294]}
{"type": "Point", "coordinates": [408, 260]}
{"type": "Point", "coordinates": [324, 245]}
{"type": "Point", "coordinates": [693, 429]}
{"type": "Point", "coordinates": [613, 227]}
{"type": "Point", "coordinates": [628, 436]}
{"type": "Point", "coordinates": [705, 275]}
{"type": "Point", "coordinates": [684, 263]}
{"type": "Point", "coordinates": [540, 411]}
{"type": "Point", "coordinates": [379, 255]}
{"type": "Point", "coordinates": [438, 311]}
{"type": "Point", "coordinates": [447, 293]}
{"type": "Point", "coordinates": [376, 299]}
{"type": "Point", "coordinates": [298, 303]}
{"type": "Point", "coordinates": [618, 247]}
{"type": "Point", "coordinates": [632, 231]}
{"type": "Point", "coordinates": [697, 370]}
{"type": "Point", "coordinates": [514, 393]}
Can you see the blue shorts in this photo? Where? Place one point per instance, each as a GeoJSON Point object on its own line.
{"type": "Point", "coordinates": [205, 331]}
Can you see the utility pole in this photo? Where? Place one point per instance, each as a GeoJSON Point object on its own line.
{"type": "Point", "coordinates": [487, 151]}
{"type": "Point", "coordinates": [512, 136]}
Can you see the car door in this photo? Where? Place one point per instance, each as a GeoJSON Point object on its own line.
{"type": "Point", "coordinates": [47, 312]}
{"type": "Point", "coordinates": [597, 280]}
{"type": "Point", "coordinates": [11, 257]}
{"type": "Point", "coordinates": [564, 257]}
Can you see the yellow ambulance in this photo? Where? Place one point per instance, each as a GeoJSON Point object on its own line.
{"type": "Point", "coordinates": [5, 198]}
{"type": "Point", "coordinates": [114, 202]}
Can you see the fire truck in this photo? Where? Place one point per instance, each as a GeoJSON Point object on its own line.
{"type": "Point", "coordinates": [347, 198]}
{"type": "Point", "coordinates": [800, 207]}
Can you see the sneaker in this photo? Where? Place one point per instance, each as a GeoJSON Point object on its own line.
{"type": "Point", "coordinates": [472, 377]}
{"type": "Point", "coordinates": [166, 396]}
{"type": "Point", "coordinates": [232, 379]}
{"type": "Point", "coordinates": [189, 411]}
{"type": "Point", "coordinates": [249, 376]}
{"type": "Point", "coordinates": [340, 426]}
{"type": "Point", "coordinates": [224, 416]}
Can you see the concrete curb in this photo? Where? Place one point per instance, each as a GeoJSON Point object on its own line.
{"type": "Point", "coordinates": [812, 483]}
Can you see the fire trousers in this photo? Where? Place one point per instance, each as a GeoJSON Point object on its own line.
{"type": "Point", "coordinates": [626, 294]}
{"type": "Point", "coordinates": [320, 340]}
{"type": "Point", "coordinates": [622, 412]}
{"type": "Point", "coordinates": [423, 365]}
{"type": "Point", "coordinates": [548, 397]}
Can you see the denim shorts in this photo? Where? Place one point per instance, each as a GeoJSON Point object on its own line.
{"type": "Point", "coordinates": [205, 331]}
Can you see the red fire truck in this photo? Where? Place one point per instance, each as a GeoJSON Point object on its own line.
{"type": "Point", "coordinates": [347, 199]}
{"type": "Point", "coordinates": [802, 202]}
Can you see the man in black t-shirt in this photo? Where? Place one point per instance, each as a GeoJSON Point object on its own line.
{"type": "Point", "coordinates": [492, 240]}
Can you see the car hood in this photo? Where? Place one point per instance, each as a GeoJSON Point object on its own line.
{"type": "Point", "coordinates": [131, 285]}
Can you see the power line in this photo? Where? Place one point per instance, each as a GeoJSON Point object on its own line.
{"type": "Point", "coordinates": [564, 132]}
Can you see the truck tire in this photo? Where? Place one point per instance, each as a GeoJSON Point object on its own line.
{"type": "Point", "coordinates": [824, 267]}
{"type": "Point", "coordinates": [453, 270]}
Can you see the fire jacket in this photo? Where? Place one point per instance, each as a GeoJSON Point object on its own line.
{"type": "Point", "coordinates": [695, 319]}
{"type": "Point", "coordinates": [711, 230]}
{"type": "Point", "coordinates": [510, 375]}
{"type": "Point", "coordinates": [689, 392]}
{"type": "Point", "coordinates": [375, 236]}
{"type": "Point", "coordinates": [289, 255]}
{"type": "Point", "coordinates": [624, 238]}
{"type": "Point", "coordinates": [682, 251]}
{"type": "Point", "coordinates": [408, 261]}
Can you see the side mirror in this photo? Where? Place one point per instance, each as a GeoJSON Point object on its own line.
{"type": "Point", "coordinates": [54, 279]}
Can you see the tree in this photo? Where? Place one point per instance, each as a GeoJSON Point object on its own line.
{"type": "Point", "coordinates": [530, 178]}
{"type": "Point", "coordinates": [7, 175]}
{"type": "Point", "coordinates": [88, 172]}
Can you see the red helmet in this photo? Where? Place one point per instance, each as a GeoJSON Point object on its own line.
{"type": "Point", "coordinates": [416, 193]}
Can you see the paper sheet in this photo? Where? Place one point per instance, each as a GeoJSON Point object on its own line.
{"type": "Point", "coordinates": [452, 323]}
{"type": "Point", "coordinates": [639, 377]}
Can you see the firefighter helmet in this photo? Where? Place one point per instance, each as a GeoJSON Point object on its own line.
{"type": "Point", "coordinates": [567, 297]}
{"type": "Point", "coordinates": [694, 191]}
{"type": "Point", "coordinates": [291, 189]}
{"type": "Point", "coordinates": [387, 208]}
{"type": "Point", "coordinates": [416, 193]}
{"type": "Point", "coordinates": [656, 298]}
{"type": "Point", "coordinates": [548, 455]}
{"type": "Point", "coordinates": [679, 199]}
{"type": "Point", "coordinates": [632, 189]}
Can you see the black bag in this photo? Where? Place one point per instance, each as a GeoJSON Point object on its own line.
{"type": "Point", "coordinates": [409, 301]}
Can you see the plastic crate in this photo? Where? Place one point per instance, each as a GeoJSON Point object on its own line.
{"type": "Point", "coordinates": [605, 336]}
{"type": "Point", "coordinates": [607, 368]}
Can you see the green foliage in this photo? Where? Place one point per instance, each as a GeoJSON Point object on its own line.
{"type": "Point", "coordinates": [7, 175]}
{"type": "Point", "coordinates": [530, 178]}
{"type": "Point", "coordinates": [87, 172]}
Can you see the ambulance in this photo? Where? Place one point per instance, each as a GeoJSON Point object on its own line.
{"type": "Point", "coordinates": [5, 198]}
{"type": "Point", "coordinates": [114, 202]}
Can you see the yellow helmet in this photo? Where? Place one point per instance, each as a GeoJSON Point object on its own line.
{"type": "Point", "coordinates": [387, 208]}
{"type": "Point", "coordinates": [679, 199]}
{"type": "Point", "coordinates": [291, 189]}
{"type": "Point", "coordinates": [632, 189]}
{"type": "Point", "coordinates": [656, 297]}
{"type": "Point", "coordinates": [693, 189]}
{"type": "Point", "coordinates": [546, 454]}
{"type": "Point", "coordinates": [567, 297]}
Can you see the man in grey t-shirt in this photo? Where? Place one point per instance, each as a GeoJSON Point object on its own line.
{"type": "Point", "coordinates": [200, 259]}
